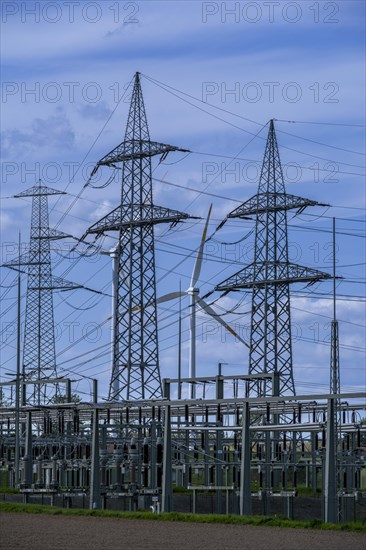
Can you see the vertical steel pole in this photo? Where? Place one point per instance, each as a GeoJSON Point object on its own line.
{"type": "Point", "coordinates": [206, 457]}
{"type": "Point", "coordinates": [245, 490]}
{"type": "Point", "coordinates": [94, 496]}
{"type": "Point", "coordinates": [180, 343]}
{"type": "Point", "coordinates": [95, 390]}
{"type": "Point", "coordinates": [17, 384]}
{"type": "Point", "coordinates": [192, 356]}
{"type": "Point", "coordinates": [28, 457]}
{"type": "Point", "coordinates": [114, 254]}
{"type": "Point", "coordinates": [167, 491]}
{"type": "Point", "coordinates": [334, 271]}
{"type": "Point", "coordinates": [153, 455]}
{"type": "Point", "coordinates": [219, 466]}
{"type": "Point", "coordinates": [330, 485]}
{"type": "Point", "coordinates": [186, 456]}
{"type": "Point", "coordinates": [95, 501]}
{"type": "Point", "coordinates": [68, 391]}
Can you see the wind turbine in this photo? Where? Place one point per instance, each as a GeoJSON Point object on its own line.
{"type": "Point", "coordinates": [113, 253]}
{"type": "Point", "coordinates": [194, 295]}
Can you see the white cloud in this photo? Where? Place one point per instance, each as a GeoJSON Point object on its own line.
{"type": "Point", "coordinates": [52, 133]}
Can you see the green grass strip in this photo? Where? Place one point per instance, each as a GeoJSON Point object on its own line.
{"type": "Point", "coordinates": [269, 521]}
{"type": "Point", "coordinates": [9, 491]}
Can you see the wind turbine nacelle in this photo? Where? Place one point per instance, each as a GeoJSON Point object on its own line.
{"type": "Point", "coordinates": [192, 290]}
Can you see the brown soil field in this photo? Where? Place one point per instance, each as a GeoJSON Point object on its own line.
{"type": "Point", "coordinates": [42, 532]}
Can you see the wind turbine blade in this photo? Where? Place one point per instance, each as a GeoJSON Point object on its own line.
{"type": "Point", "coordinates": [198, 264]}
{"type": "Point", "coordinates": [170, 296]}
{"type": "Point", "coordinates": [208, 309]}
{"type": "Point", "coordinates": [164, 298]}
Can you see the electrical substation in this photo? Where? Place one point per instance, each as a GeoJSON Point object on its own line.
{"type": "Point", "coordinates": [239, 444]}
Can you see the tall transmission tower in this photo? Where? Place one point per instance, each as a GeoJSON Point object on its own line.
{"type": "Point", "coordinates": [135, 372]}
{"type": "Point", "coordinates": [270, 275]}
{"type": "Point", "coordinates": [39, 357]}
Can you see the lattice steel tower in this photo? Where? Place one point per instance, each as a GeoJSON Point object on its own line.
{"type": "Point", "coordinates": [39, 357]}
{"type": "Point", "coordinates": [270, 274]}
{"type": "Point", "coordinates": [335, 381]}
{"type": "Point", "coordinates": [135, 370]}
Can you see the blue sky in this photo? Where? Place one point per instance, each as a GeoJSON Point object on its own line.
{"type": "Point", "coordinates": [65, 70]}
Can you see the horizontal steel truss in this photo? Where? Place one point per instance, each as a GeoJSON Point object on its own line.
{"type": "Point", "coordinates": [307, 404]}
{"type": "Point", "coordinates": [136, 149]}
{"type": "Point", "coordinates": [271, 273]}
{"type": "Point", "coordinates": [125, 216]}
{"type": "Point", "coordinates": [270, 202]}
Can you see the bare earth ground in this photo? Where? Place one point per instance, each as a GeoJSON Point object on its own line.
{"type": "Point", "coordinates": [42, 532]}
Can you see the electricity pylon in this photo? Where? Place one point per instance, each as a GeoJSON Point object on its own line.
{"type": "Point", "coordinates": [136, 373]}
{"type": "Point", "coordinates": [39, 356]}
{"type": "Point", "coordinates": [270, 275]}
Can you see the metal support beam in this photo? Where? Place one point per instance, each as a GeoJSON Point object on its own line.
{"type": "Point", "coordinates": [167, 493]}
{"type": "Point", "coordinates": [153, 455]}
{"type": "Point", "coordinates": [219, 471]}
{"type": "Point", "coordinates": [28, 457]}
{"type": "Point", "coordinates": [330, 485]}
{"type": "Point", "coordinates": [245, 492]}
{"type": "Point", "coordinates": [17, 386]}
{"type": "Point", "coordinates": [94, 497]}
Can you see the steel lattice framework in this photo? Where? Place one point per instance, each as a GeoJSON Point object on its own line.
{"type": "Point", "coordinates": [39, 357]}
{"type": "Point", "coordinates": [135, 370]}
{"type": "Point", "coordinates": [271, 273]}
{"type": "Point", "coordinates": [335, 383]}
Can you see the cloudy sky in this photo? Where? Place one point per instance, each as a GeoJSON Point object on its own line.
{"type": "Point", "coordinates": [213, 75]}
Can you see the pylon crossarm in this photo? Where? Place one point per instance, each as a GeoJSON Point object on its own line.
{"type": "Point", "coordinates": [137, 149]}
{"type": "Point", "coordinates": [271, 273]}
{"type": "Point", "coordinates": [54, 234]}
{"type": "Point", "coordinates": [57, 283]}
{"type": "Point", "coordinates": [137, 215]}
{"type": "Point", "coordinates": [23, 259]}
{"type": "Point", "coordinates": [38, 191]}
{"type": "Point", "coordinates": [270, 202]}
